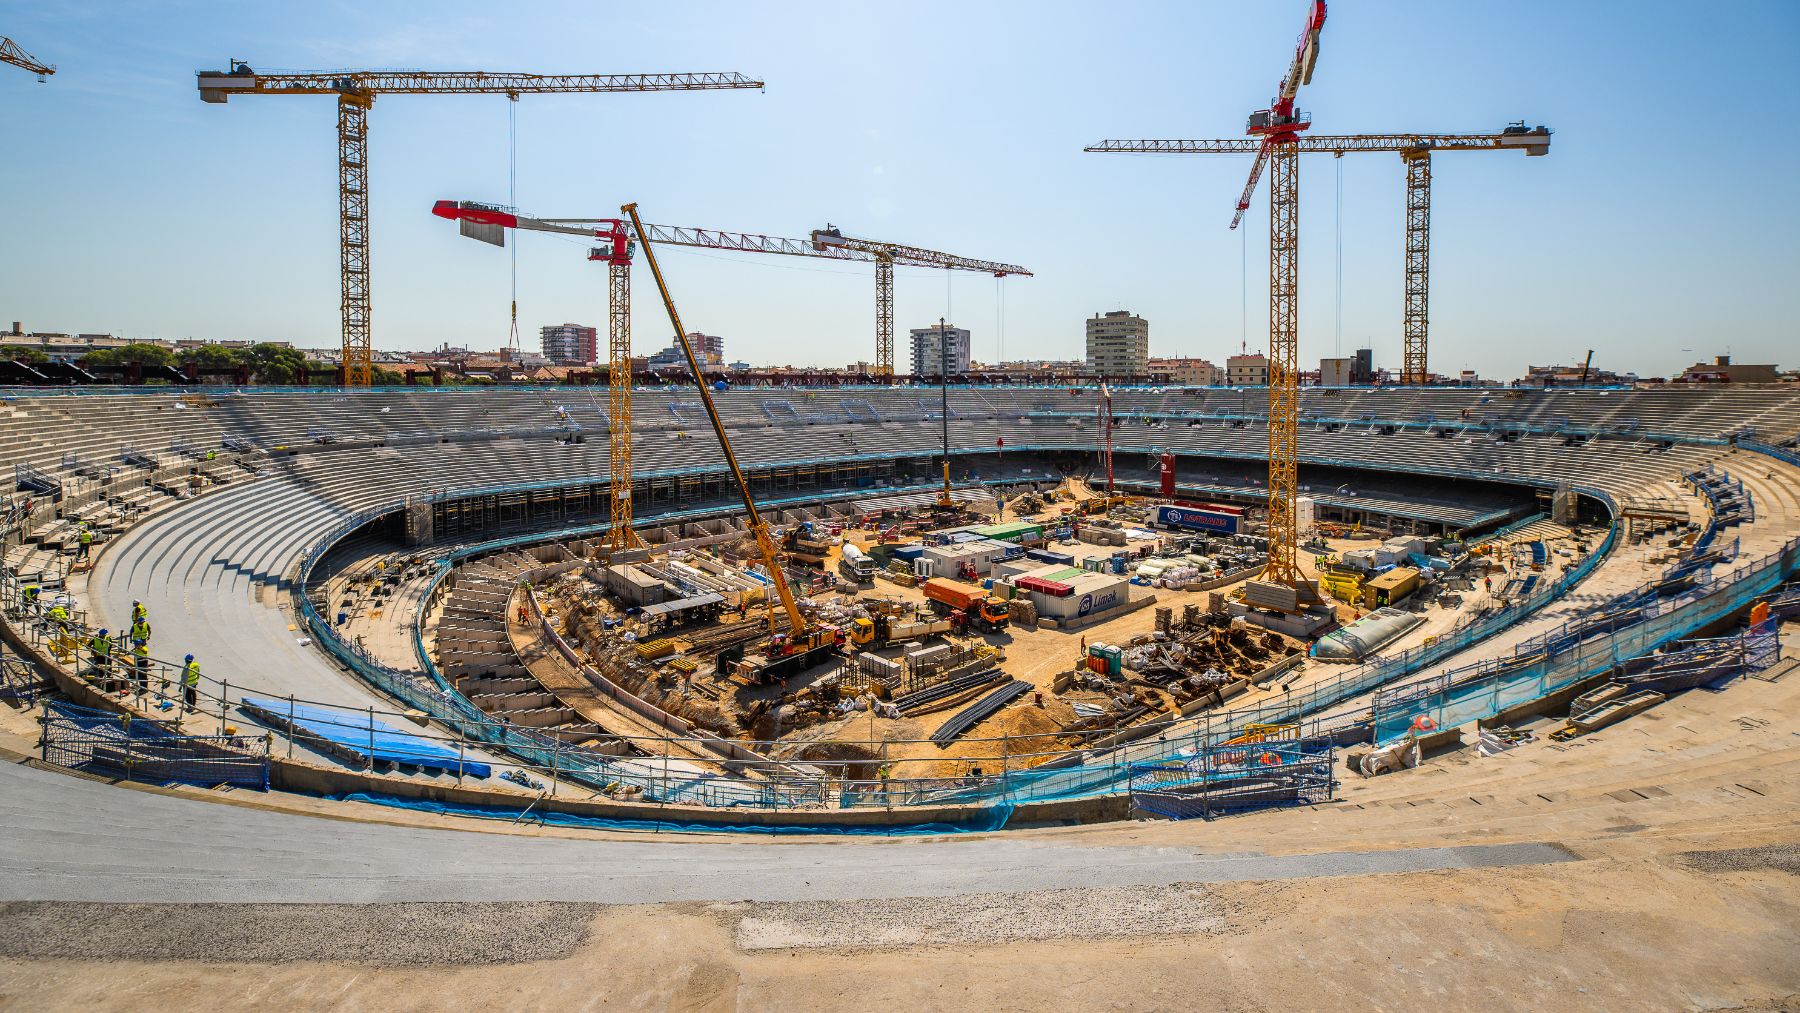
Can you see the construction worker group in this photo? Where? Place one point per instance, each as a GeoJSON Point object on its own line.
{"type": "Point", "coordinates": [130, 653]}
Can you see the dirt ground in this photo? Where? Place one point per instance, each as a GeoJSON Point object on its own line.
{"type": "Point", "coordinates": [1606, 933]}
{"type": "Point", "coordinates": [1683, 893]}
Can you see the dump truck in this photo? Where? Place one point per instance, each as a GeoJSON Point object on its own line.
{"type": "Point", "coordinates": [857, 564]}
{"type": "Point", "coordinates": [982, 609]}
{"type": "Point", "coordinates": [806, 545]}
{"type": "Point", "coordinates": [883, 630]}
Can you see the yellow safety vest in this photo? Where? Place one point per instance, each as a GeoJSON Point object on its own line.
{"type": "Point", "coordinates": [190, 674]}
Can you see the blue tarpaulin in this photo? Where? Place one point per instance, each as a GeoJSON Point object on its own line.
{"type": "Point", "coordinates": [365, 736]}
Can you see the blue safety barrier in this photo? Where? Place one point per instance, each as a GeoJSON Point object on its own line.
{"type": "Point", "coordinates": [364, 737]}
{"type": "Point", "coordinates": [155, 752]}
{"type": "Point", "coordinates": [983, 820]}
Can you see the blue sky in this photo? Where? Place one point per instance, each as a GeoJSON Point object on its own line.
{"type": "Point", "coordinates": [1661, 228]}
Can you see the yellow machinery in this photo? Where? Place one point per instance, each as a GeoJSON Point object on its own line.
{"type": "Point", "coordinates": [802, 638]}
{"type": "Point", "coordinates": [355, 91]}
{"type": "Point", "coordinates": [11, 53]}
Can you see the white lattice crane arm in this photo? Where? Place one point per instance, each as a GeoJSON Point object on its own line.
{"type": "Point", "coordinates": [912, 256]}
{"type": "Point", "coordinates": [218, 86]}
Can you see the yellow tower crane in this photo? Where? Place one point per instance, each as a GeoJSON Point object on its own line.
{"type": "Point", "coordinates": [886, 255]}
{"type": "Point", "coordinates": [1415, 151]}
{"type": "Point", "coordinates": [355, 91]}
{"type": "Point", "coordinates": [11, 53]}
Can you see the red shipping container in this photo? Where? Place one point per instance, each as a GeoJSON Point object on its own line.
{"type": "Point", "coordinates": [1053, 588]}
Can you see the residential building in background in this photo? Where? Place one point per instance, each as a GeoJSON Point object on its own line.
{"type": "Point", "coordinates": [1362, 366]}
{"type": "Point", "coordinates": [571, 344]}
{"type": "Point", "coordinates": [1247, 370]}
{"type": "Point", "coordinates": [1190, 372]}
{"type": "Point", "coordinates": [930, 357]}
{"type": "Point", "coordinates": [1723, 370]}
{"type": "Point", "coordinates": [1118, 344]}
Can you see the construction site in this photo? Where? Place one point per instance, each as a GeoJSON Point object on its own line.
{"type": "Point", "coordinates": [946, 687]}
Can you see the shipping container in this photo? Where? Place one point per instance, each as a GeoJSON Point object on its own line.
{"type": "Point", "coordinates": [1052, 588]}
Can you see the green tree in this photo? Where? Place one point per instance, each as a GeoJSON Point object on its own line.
{"type": "Point", "coordinates": [211, 357]}
{"type": "Point", "coordinates": [274, 363]}
{"type": "Point", "coordinates": [137, 351]}
{"type": "Point", "coordinates": [29, 356]}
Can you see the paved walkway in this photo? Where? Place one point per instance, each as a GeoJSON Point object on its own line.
{"type": "Point", "coordinates": [71, 839]}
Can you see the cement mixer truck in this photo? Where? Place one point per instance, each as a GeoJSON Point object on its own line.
{"type": "Point", "coordinates": [857, 565]}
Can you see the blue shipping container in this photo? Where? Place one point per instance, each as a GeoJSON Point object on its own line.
{"type": "Point", "coordinates": [1197, 520]}
{"type": "Point", "coordinates": [909, 552]}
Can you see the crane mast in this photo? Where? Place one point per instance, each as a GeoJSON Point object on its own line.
{"type": "Point", "coordinates": [355, 91]}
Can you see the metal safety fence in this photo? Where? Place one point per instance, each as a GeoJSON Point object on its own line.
{"type": "Point", "coordinates": [114, 744]}
{"type": "Point", "coordinates": [1577, 650]}
{"type": "Point", "coordinates": [1234, 778]}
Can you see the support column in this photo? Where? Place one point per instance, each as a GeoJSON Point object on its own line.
{"type": "Point", "coordinates": [884, 317]}
{"type": "Point", "coordinates": [353, 234]}
{"type": "Point", "coordinates": [1418, 265]}
{"type": "Point", "coordinates": [1284, 362]}
{"type": "Point", "coordinates": [618, 404]}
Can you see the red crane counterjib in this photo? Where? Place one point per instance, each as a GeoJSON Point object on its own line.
{"type": "Point", "coordinates": [610, 230]}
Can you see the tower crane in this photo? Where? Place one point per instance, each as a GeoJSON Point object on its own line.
{"type": "Point", "coordinates": [489, 222]}
{"type": "Point", "coordinates": [886, 255]}
{"type": "Point", "coordinates": [11, 53]}
{"type": "Point", "coordinates": [355, 91]}
{"type": "Point", "coordinates": [1415, 151]}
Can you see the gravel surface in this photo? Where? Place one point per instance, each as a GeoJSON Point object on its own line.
{"type": "Point", "coordinates": [1780, 857]}
{"type": "Point", "coordinates": [380, 935]}
{"type": "Point", "coordinates": [980, 919]}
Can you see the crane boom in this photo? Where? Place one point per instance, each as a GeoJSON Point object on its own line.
{"type": "Point", "coordinates": [218, 86]}
{"type": "Point", "coordinates": [828, 243]}
{"type": "Point", "coordinates": [829, 238]}
{"type": "Point", "coordinates": [886, 256]}
{"type": "Point", "coordinates": [11, 53]}
{"type": "Point", "coordinates": [1416, 151]}
{"type": "Point", "coordinates": [1533, 142]}
{"type": "Point", "coordinates": [759, 528]}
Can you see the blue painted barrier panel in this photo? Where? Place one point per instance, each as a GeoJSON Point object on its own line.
{"type": "Point", "coordinates": [366, 736]}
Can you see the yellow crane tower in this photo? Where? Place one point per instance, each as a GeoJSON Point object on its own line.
{"type": "Point", "coordinates": [886, 255]}
{"type": "Point", "coordinates": [11, 53]}
{"type": "Point", "coordinates": [1415, 151]}
{"type": "Point", "coordinates": [355, 91]}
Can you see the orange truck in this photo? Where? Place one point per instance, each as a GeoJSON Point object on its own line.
{"type": "Point", "coordinates": [982, 610]}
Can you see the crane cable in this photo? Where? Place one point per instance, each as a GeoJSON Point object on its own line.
{"type": "Point", "coordinates": [512, 201]}
{"type": "Point", "coordinates": [1338, 210]}
{"type": "Point", "coordinates": [999, 319]}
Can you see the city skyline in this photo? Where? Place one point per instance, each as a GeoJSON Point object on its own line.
{"type": "Point", "coordinates": [1640, 253]}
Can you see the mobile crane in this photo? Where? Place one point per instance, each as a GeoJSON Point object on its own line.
{"type": "Point", "coordinates": [805, 643]}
